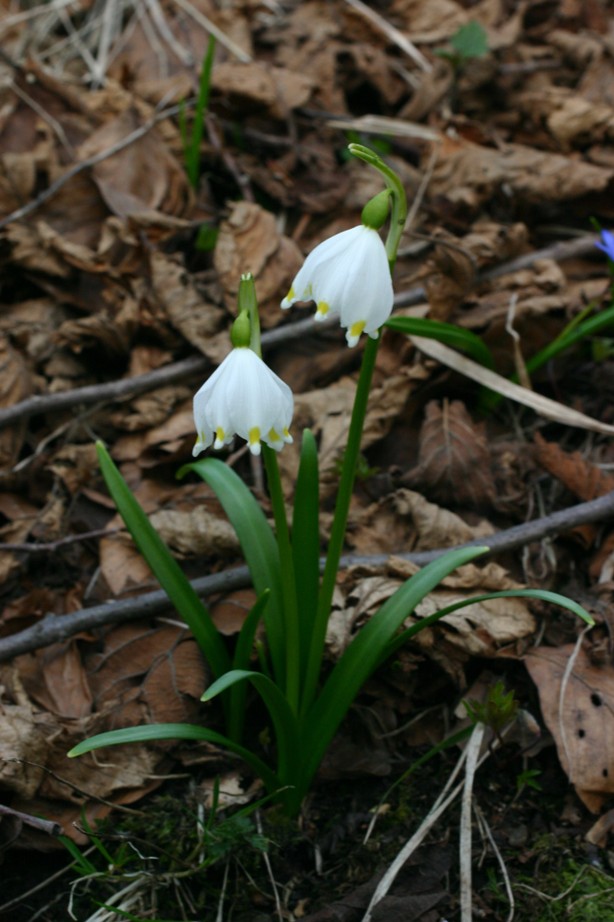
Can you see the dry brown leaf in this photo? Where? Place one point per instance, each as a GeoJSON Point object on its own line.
{"type": "Point", "coordinates": [147, 675]}
{"type": "Point", "coordinates": [75, 465]}
{"type": "Point", "coordinates": [143, 176]}
{"type": "Point", "coordinates": [250, 242]}
{"type": "Point", "coordinates": [54, 679]}
{"type": "Point", "coordinates": [454, 458]}
{"type": "Point", "coordinates": [183, 304]}
{"type": "Point", "coordinates": [21, 517]}
{"type": "Point", "coordinates": [451, 276]}
{"type": "Point", "coordinates": [578, 474]}
{"type": "Point", "coordinates": [196, 532]}
{"type": "Point", "coordinates": [467, 174]}
{"type": "Point", "coordinates": [121, 565]}
{"type": "Point", "coordinates": [431, 22]}
{"type": "Point", "coordinates": [25, 733]}
{"type": "Point", "coordinates": [229, 614]}
{"type": "Point", "coordinates": [480, 629]}
{"type": "Point", "coordinates": [437, 527]}
{"type": "Point", "coordinates": [578, 709]}
{"type": "Point", "coordinates": [15, 384]}
{"type": "Point", "coordinates": [258, 86]}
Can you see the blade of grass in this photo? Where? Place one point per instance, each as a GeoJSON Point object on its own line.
{"type": "Point", "coordinates": [192, 146]}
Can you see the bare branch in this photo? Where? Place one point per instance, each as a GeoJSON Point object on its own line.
{"type": "Point", "coordinates": [53, 628]}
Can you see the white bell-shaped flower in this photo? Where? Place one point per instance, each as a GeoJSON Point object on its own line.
{"type": "Point", "coordinates": [347, 275]}
{"type": "Point", "coordinates": [243, 397]}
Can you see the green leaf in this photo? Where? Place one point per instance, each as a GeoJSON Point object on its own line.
{"type": "Point", "coordinates": [284, 721]}
{"type": "Point", "coordinates": [306, 540]}
{"type": "Point", "coordinates": [447, 333]}
{"type": "Point", "coordinates": [241, 660]}
{"type": "Point", "coordinates": [543, 594]}
{"type": "Point", "coordinates": [192, 146]}
{"type": "Point", "coordinates": [151, 732]}
{"type": "Point", "coordinates": [470, 41]}
{"type": "Point", "coordinates": [257, 542]}
{"type": "Point", "coordinates": [365, 653]}
{"type": "Point", "coordinates": [165, 567]}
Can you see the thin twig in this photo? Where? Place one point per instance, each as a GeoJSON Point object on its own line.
{"type": "Point", "coordinates": [48, 826]}
{"type": "Point", "coordinates": [392, 34]}
{"type": "Point", "coordinates": [50, 547]}
{"type": "Point", "coordinates": [103, 393]}
{"type": "Point", "coordinates": [53, 628]}
{"type": "Point", "coordinates": [95, 159]}
{"type": "Point", "coordinates": [486, 830]}
{"type": "Point", "coordinates": [212, 29]}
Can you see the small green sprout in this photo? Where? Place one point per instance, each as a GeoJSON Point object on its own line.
{"type": "Point", "coordinates": [468, 42]}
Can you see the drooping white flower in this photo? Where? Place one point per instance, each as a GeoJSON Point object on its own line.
{"type": "Point", "coordinates": [347, 275]}
{"type": "Point", "coordinates": [243, 397]}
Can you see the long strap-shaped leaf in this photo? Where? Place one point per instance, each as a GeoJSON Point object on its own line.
{"type": "Point", "coordinates": [287, 736]}
{"type": "Point", "coordinates": [544, 595]}
{"type": "Point", "coordinates": [306, 542]}
{"type": "Point", "coordinates": [447, 333]}
{"type": "Point", "coordinates": [364, 654]}
{"type": "Point", "coordinates": [168, 572]}
{"type": "Point", "coordinates": [151, 732]}
{"type": "Point", "coordinates": [257, 542]}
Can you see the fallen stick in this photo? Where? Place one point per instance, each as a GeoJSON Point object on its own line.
{"type": "Point", "coordinates": [55, 628]}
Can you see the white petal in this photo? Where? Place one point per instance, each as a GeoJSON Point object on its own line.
{"type": "Point", "coordinates": [348, 275]}
{"type": "Point", "coordinates": [242, 397]}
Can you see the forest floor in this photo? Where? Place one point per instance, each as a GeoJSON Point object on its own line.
{"type": "Point", "coordinates": [121, 258]}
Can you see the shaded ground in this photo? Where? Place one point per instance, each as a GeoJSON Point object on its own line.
{"type": "Point", "coordinates": [118, 287]}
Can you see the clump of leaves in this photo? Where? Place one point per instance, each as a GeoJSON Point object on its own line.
{"type": "Point", "coordinates": [498, 710]}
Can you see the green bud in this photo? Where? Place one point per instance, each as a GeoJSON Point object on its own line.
{"type": "Point", "coordinates": [375, 213]}
{"type": "Point", "coordinates": [240, 332]}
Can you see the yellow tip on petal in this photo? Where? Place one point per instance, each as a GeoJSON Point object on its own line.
{"type": "Point", "coordinates": [273, 436]}
{"type": "Point", "coordinates": [287, 437]}
{"type": "Point", "coordinates": [220, 437]}
{"type": "Point", "coordinates": [322, 310]}
{"type": "Point", "coordinates": [253, 438]}
{"type": "Point", "coordinates": [353, 333]}
{"type": "Point", "coordinates": [290, 297]}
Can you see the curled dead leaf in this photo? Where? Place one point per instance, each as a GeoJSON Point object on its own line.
{"type": "Point", "coordinates": [577, 702]}
{"type": "Point", "coordinates": [577, 473]}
